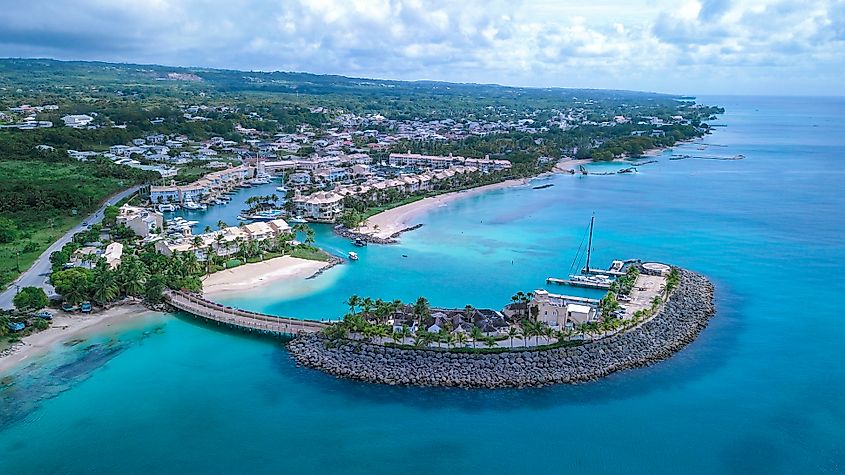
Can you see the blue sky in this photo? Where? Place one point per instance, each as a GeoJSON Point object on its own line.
{"type": "Point", "coordinates": [683, 46]}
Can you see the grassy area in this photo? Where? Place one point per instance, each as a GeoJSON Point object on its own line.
{"type": "Point", "coordinates": [17, 256]}
{"type": "Point", "coordinates": [310, 253]}
{"type": "Point", "coordinates": [39, 198]}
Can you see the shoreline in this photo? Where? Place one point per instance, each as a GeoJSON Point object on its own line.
{"type": "Point", "coordinates": [259, 274]}
{"type": "Point", "coordinates": [677, 324]}
{"type": "Point", "coordinates": [395, 221]}
{"type": "Point", "coordinates": [63, 328]}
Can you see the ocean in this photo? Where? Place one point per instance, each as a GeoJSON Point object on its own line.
{"type": "Point", "coordinates": [760, 391]}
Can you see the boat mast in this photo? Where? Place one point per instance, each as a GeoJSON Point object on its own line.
{"type": "Point", "coordinates": [590, 244]}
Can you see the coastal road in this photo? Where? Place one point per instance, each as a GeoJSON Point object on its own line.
{"type": "Point", "coordinates": [39, 273]}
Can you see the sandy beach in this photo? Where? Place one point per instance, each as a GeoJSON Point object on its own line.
{"type": "Point", "coordinates": [250, 276]}
{"type": "Point", "coordinates": [65, 327]}
{"type": "Point", "coordinates": [396, 219]}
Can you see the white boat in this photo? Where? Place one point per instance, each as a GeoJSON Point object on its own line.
{"type": "Point", "coordinates": [281, 189]}
{"type": "Point", "coordinates": [167, 207]}
{"type": "Point", "coordinates": [297, 219]}
{"type": "Point", "coordinates": [353, 256]}
{"type": "Point", "coordinates": [194, 206]}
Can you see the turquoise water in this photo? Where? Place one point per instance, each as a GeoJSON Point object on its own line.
{"type": "Point", "coordinates": [761, 391]}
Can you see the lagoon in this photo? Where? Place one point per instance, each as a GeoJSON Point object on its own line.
{"type": "Point", "coordinates": [761, 390]}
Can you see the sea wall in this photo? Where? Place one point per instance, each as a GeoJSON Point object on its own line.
{"type": "Point", "coordinates": [677, 324]}
{"type": "Point", "coordinates": [348, 233]}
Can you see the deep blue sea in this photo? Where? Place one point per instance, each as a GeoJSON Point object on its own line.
{"type": "Point", "coordinates": [761, 391]}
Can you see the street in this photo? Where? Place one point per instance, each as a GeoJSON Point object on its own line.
{"type": "Point", "coordinates": [38, 274]}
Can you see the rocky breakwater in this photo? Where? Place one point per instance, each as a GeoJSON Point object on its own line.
{"type": "Point", "coordinates": [678, 323]}
{"type": "Point", "coordinates": [392, 239]}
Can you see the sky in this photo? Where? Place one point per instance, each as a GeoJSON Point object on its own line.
{"type": "Point", "coordinates": [777, 47]}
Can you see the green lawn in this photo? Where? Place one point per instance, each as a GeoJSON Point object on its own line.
{"type": "Point", "coordinates": [39, 197]}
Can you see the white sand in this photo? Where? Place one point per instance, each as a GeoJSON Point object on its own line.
{"type": "Point", "coordinates": [402, 217]}
{"type": "Point", "coordinates": [64, 327]}
{"type": "Point", "coordinates": [250, 276]}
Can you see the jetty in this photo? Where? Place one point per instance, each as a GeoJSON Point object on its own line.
{"type": "Point", "coordinates": [579, 283]}
{"type": "Point", "coordinates": [244, 320]}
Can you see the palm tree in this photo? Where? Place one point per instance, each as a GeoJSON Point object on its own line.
{"type": "Point", "coordinates": [207, 229]}
{"type": "Point", "coordinates": [367, 305]}
{"type": "Point", "coordinates": [461, 338]}
{"type": "Point", "coordinates": [512, 333]}
{"type": "Point", "coordinates": [353, 301]}
{"type": "Point", "coordinates": [405, 332]}
{"type": "Point", "coordinates": [222, 224]}
{"type": "Point", "coordinates": [476, 334]}
{"type": "Point", "coordinates": [379, 331]}
{"type": "Point", "coordinates": [105, 285]}
{"type": "Point", "coordinates": [421, 308]}
{"type": "Point", "coordinates": [490, 342]}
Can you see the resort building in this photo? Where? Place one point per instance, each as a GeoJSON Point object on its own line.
{"type": "Point", "coordinates": [225, 242]}
{"type": "Point", "coordinates": [558, 311]}
{"type": "Point", "coordinates": [143, 222]}
{"type": "Point", "coordinates": [321, 206]}
{"type": "Point", "coordinates": [422, 161]}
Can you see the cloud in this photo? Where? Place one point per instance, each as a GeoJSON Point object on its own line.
{"type": "Point", "coordinates": [665, 45]}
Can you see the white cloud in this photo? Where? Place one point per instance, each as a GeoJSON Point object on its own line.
{"type": "Point", "coordinates": [689, 46]}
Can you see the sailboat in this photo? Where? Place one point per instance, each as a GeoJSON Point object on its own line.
{"type": "Point", "coordinates": [585, 271]}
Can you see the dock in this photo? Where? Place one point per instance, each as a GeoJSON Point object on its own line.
{"type": "Point", "coordinates": [609, 273]}
{"type": "Point", "coordinates": [578, 283]}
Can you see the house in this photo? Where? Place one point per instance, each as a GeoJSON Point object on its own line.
{"type": "Point", "coordinates": [112, 254]}
{"type": "Point", "coordinates": [143, 222]}
{"type": "Point", "coordinates": [559, 311]}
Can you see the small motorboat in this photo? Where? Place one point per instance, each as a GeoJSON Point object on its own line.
{"type": "Point", "coordinates": [353, 256]}
{"type": "Point", "coordinates": [359, 242]}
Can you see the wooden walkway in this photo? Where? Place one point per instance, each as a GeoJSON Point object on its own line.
{"type": "Point", "coordinates": [240, 319]}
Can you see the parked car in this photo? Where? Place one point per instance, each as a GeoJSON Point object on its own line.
{"type": "Point", "coordinates": [16, 326]}
{"type": "Point", "coordinates": [68, 307]}
{"type": "Point", "coordinates": [85, 307]}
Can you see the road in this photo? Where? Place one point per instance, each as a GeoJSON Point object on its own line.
{"type": "Point", "coordinates": [39, 273]}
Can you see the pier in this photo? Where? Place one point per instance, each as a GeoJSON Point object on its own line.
{"type": "Point", "coordinates": [240, 319]}
{"type": "Point", "coordinates": [579, 283]}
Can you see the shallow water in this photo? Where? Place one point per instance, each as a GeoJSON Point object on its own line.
{"type": "Point", "coordinates": [760, 391]}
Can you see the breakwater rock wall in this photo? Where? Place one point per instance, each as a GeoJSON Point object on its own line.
{"type": "Point", "coordinates": [348, 233]}
{"type": "Point", "coordinates": [677, 324]}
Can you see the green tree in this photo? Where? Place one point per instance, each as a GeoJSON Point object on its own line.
{"type": "Point", "coordinates": [30, 298]}
{"type": "Point", "coordinates": [73, 284]}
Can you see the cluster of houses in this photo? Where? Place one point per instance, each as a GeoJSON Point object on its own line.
{"type": "Point", "coordinates": [326, 206]}
{"type": "Point", "coordinates": [209, 186]}
{"type": "Point", "coordinates": [25, 117]}
{"type": "Point", "coordinates": [224, 242]}
{"type": "Point", "coordinates": [556, 311]}
{"type": "Point", "coordinates": [489, 321]}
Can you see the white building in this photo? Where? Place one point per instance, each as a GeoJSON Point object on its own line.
{"type": "Point", "coordinates": [141, 221]}
{"type": "Point", "coordinates": [322, 206]}
{"type": "Point", "coordinates": [77, 121]}
{"type": "Point", "coordinates": [558, 311]}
